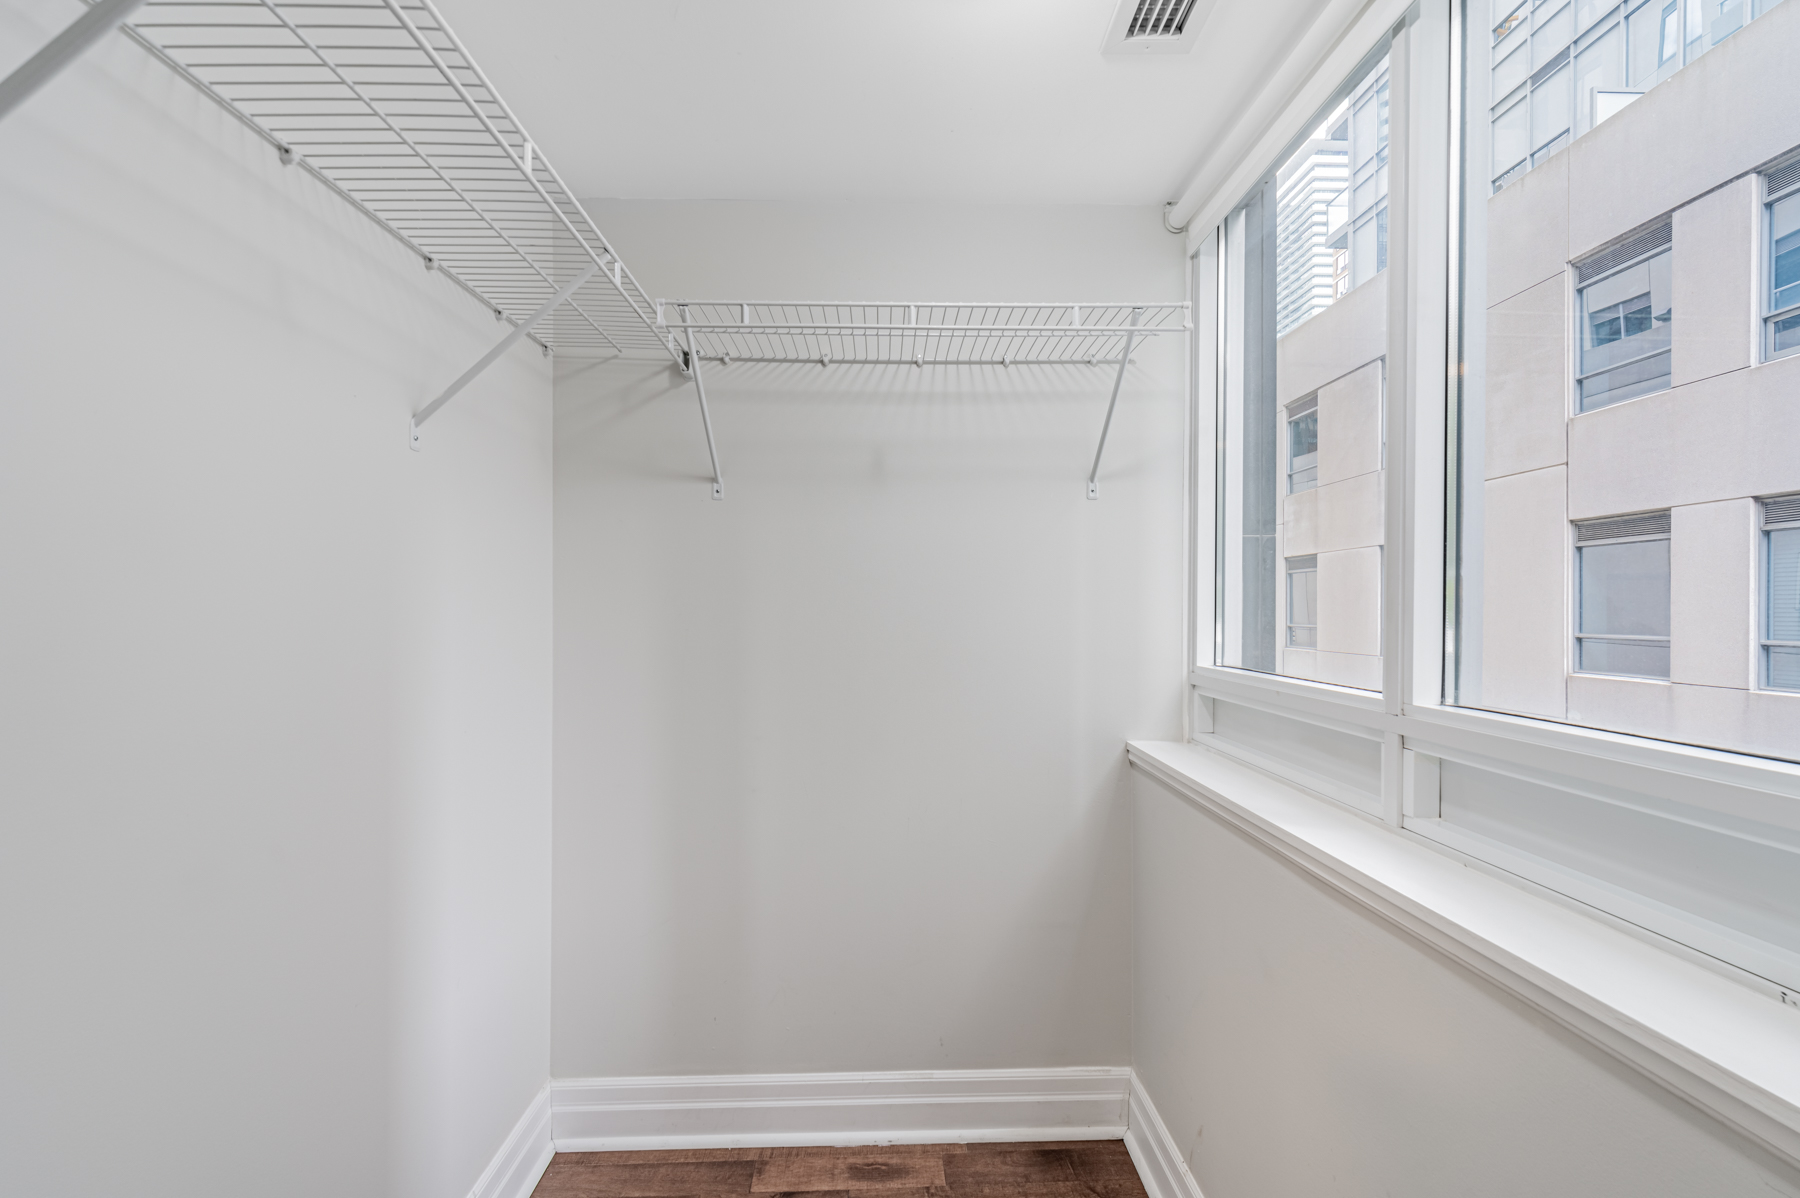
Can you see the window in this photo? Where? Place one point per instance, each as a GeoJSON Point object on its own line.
{"type": "Point", "coordinates": [1303, 445]}
{"type": "Point", "coordinates": [1301, 423]}
{"type": "Point", "coordinates": [1781, 593]}
{"type": "Point", "coordinates": [1626, 322]}
{"type": "Point", "coordinates": [1303, 602]}
{"type": "Point", "coordinates": [1577, 616]}
{"type": "Point", "coordinates": [1622, 575]}
{"type": "Point", "coordinates": [1783, 322]}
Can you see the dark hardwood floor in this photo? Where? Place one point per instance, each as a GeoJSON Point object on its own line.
{"type": "Point", "coordinates": [1056, 1169]}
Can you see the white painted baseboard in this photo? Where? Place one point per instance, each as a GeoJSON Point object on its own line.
{"type": "Point", "coordinates": [522, 1159]}
{"type": "Point", "coordinates": [1153, 1150]}
{"type": "Point", "coordinates": [962, 1106]}
{"type": "Point", "coordinates": [597, 1114]}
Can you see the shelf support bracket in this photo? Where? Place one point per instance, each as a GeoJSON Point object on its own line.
{"type": "Point", "coordinates": [693, 365]}
{"type": "Point", "coordinates": [507, 342]}
{"type": "Point", "coordinates": [63, 49]}
{"type": "Point", "coordinates": [1124, 361]}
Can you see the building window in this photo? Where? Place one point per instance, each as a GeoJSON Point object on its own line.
{"type": "Point", "coordinates": [1781, 593]}
{"type": "Point", "coordinates": [1626, 315]}
{"type": "Point", "coordinates": [1303, 445]}
{"type": "Point", "coordinates": [1558, 69]}
{"type": "Point", "coordinates": [1783, 321]}
{"type": "Point", "coordinates": [1622, 599]}
{"type": "Point", "coordinates": [1303, 602]}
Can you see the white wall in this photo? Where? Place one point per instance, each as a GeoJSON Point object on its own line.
{"type": "Point", "coordinates": [839, 759]}
{"type": "Point", "coordinates": [1296, 1044]}
{"type": "Point", "coordinates": [274, 691]}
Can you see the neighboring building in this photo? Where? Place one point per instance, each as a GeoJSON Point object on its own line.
{"type": "Point", "coordinates": [1635, 531]}
{"type": "Point", "coordinates": [1558, 70]}
{"type": "Point", "coordinates": [1306, 191]}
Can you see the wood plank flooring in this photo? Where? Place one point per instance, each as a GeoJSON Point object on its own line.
{"type": "Point", "coordinates": [1056, 1169]}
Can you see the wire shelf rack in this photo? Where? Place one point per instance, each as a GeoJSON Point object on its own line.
{"type": "Point", "coordinates": [380, 101]}
{"type": "Point", "coordinates": [908, 334]}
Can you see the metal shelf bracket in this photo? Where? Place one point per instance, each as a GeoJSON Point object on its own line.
{"type": "Point", "coordinates": [63, 49]}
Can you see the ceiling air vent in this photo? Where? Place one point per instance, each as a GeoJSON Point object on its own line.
{"type": "Point", "coordinates": [1159, 18]}
{"type": "Point", "coordinates": [1165, 25]}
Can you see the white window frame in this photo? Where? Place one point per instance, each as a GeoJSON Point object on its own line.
{"type": "Point", "coordinates": [1765, 596]}
{"type": "Point", "coordinates": [1770, 313]}
{"type": "Point", "coordinates": [1580, 311]}
{"type": "Point", "coordinates": [1577, 581]}
{"type": "Point", "coordinates": [1293, 412]}
{"type": "Point", "coordinates": [1409, 718]}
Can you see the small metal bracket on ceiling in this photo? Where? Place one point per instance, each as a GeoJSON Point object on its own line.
{"type": "Point", "coordinates": [1093, 490]}
{"type": "Point", "coordinates": [285, 155]}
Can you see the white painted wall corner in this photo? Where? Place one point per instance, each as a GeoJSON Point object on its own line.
{"type": "Point", "coordinates": [1153, 1150]}
{"type": "Point", "coordinates": [523, 1157]}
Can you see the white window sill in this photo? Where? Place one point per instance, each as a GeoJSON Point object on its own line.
{"type": "Point", "coordinates": [1724, 1047]}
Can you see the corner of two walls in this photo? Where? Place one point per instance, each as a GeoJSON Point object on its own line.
{"type": "Point", "coordinates": [275, 705]}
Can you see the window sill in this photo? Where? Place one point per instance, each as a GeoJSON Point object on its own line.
{"type": "Point", "coordinates": [1729, 1050]}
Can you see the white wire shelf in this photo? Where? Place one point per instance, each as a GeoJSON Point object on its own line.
{"type": "Point", "coordinates": [911, 334]}
{"type": "Point", "coordinates": [379, 100]}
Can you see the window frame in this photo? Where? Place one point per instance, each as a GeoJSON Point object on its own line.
{"type": "Point", "coordinates": [1411, 717]}
{"type": "Point", "coordinates": [1766, 593]}
{"type": "Point", "coordinates": [1580, 311]}
{"type": "Point", "coordinates": [1771, 314]}
{"type": "Point", "coordinates": [1578, 580]}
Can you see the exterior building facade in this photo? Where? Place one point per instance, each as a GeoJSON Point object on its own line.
{"type": "Point", "coordinates": [1630, 560]}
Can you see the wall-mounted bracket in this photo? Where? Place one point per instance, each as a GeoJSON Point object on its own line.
{"type": "Point", "coordinates": [692, 361]}
{"type": "Point", "coordinates": [1111, 404]}
{"type": "Point", "coordinates": [507, 342]}
{"type": "Point", "coordinates": [63, 49]}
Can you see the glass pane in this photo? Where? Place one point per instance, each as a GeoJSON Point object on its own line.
{"type": "Point", "coordinates": [1643, 33]}
{"type": "Point", "coordinates": [1624, 318]}
{"type": "Point", "coordinates": [1551, 35]}
{"type": "Point", "coordinates": [1303, 603]}
{"type": "Point", "coordinates": [1303, 452]}
{"type": "Point", "coordinates": [1784, 269]}
{"type": "Point", "coordinates": [1551, 103]}
{"type": "Point", "coordinates": [1640, 659]}
{"type": "Point", "coordinates": [1300, 527]}
{"type": "Point", "coordinates": [1784, 334]}
{"type": "Point", "coordinates": [1784, 668]}
{"type": "Point", "coordinates": [1512, 138]}
{"type": "Point", "coordinates": [1599, 68]}
{"type": "Point", "coordinates": [1784, 585]}
{"type": "Point", "coordinates": [1513, 70]}
{"type": "Point", "coordinates": [1625, 588]}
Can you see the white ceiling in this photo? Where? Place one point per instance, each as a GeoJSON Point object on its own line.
{"type": "Point", "coordinates": [1006, 101]}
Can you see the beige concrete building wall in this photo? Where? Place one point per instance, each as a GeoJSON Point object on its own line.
{"type": "Point", "coordinates": [1705, 448]}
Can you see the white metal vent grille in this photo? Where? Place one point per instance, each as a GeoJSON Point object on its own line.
{"type": "Point", "coordinates": [1622, 528]}
{"type": "Point", "coordinates": [1649, 241]}
{"type": "Point", "coordinates": [1778, 179]}
{"type": "Point", "coordinates": [1159, 18]}
{"type": "Point", "coordinates": [1781, 510]}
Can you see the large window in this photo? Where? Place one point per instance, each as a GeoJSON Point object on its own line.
{"type": "Point", "coordinates": [1501, 550]}
{"type": "Point", "coordinates": [1301, 428]}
